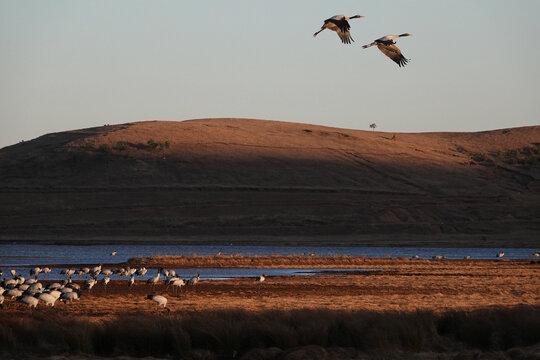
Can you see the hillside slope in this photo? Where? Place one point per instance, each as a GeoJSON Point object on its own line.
{"type": "Point", "coordinates": [272, 182]}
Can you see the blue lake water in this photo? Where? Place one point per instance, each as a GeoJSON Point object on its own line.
{"type": "Point", "coordinates": [22, 256]}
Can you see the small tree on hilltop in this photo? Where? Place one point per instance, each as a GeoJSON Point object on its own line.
{"type": "Point", "coordinates": [373, 126]}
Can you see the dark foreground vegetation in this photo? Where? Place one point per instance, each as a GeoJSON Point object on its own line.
{"type": "Point", "coordinates": [315, 334]}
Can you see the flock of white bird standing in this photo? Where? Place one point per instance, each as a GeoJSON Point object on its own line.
{"type": "Point", "coordinates": [340, 24]}
{"type": "Point", "coordinates": [30, 291]}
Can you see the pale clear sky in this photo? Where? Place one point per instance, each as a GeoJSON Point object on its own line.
{"type": "Point", "coordinates": [475, 65]}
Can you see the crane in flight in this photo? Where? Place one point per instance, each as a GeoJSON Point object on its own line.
{"type": "Point", "coordinates": [388, 47]}
{"type": "Point", "coordinates": [339, 24]}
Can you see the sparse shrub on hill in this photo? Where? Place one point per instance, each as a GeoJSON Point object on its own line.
{"type": "Point", "coordinates": [481, 157]}
{"type": "Point", "coordinates": [104, 149]}
{"type": "Point", "coordinates": [152, 143]}
{"type": "Point", "coordinates": [121, 146]}
{"type": "Point", "coordinates": [161, 145]}
{"type": "Point", "coordinates": [528, 156]}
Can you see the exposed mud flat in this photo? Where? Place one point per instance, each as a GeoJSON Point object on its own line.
{"type": "Point", "coordinates": [399, 284]}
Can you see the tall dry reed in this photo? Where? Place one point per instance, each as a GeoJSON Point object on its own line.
{"type": "Point", "coordinates": [224, 333]}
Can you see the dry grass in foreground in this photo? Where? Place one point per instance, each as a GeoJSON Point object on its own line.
{"type": "Point", "coordinates": [301, 334]}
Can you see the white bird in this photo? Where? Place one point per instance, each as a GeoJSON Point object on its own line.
{"type": "Point", "coordinates": [55, 293]}
{"type": "Point", "coordinates": [1, 301]}
{"type": "Point", "coordinates": [36, 286]}
{"type": "Point", "coordinates": [339, 24]}
{"type": "Point", "coordinates": [536, 254]}
{"type": "Point", "coordinates": [142, 271]}
{"type": "Point", "coordinates": [121, 272]}
{"type": "Point", "coordinates": [468, 257]}
{"type": "Point", "coordinates": [131, 281]}
{"type": "Point", "coordinates": [31, 301]}
{"type": "Point", "coordinates": [46, 270]}
{"type": "Point", "coordinates": [153, 280]}
{"type": "Point", "coordinates": [10, 283]}
{"type": "Point", "coordinates": [32, 292]}
{"type": "Point", "coordinates": [160, 300]}
{"type": "Point", "coordinates": [164, 272]}
{"type": "Point", "coordinates": [90, 283]}
{"type": "Point", "coordinates": [95, 271]}
{"type": "Point", "coordinates": [387, 46]}
{"type": "Point", "coordinates": [35, 271]}
{"type": "Point", "coordinates": [105, 281]}
{"type": "Point", "coordinates": [261, 278]}
{"type": "Point", "coordinates": [75, 287]}
{"type": "Point", "coordinates": [177, 283]}
{"type": "Point", "coordinates": [500, 254]}
{"type": "Point", "coordinates": [67, 272]}
{"type": "Point", "coordinates": [47, 299]}
{"type": "Point", "coordinates": [13, 272]}
{"type": "Point", "coordinates": [12, 293]}
{"type": "Point", "coordinates": [69, 296]}
{"type": "Point", "coordinates": [194, 280]}
{"type": "Point", "coordinates": [114, 253]}
{"type": "Point", "coordinates": [54, 286]}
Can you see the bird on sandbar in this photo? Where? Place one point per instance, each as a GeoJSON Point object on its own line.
{"type": "Point", "coordinates": [159, 300]}
{"type": "Point", "coordinates": [194, 280]}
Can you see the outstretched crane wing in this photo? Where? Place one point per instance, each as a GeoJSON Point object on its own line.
{"type": "Point", "coordinates": [341, 27]}
{"type": "Point", "coordinates": [393, 52]}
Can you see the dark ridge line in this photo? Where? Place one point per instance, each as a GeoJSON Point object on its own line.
{"type": "Point", "coordinates": [50, 189]}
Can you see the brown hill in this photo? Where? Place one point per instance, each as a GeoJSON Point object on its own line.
{"type": "Point", "coordinates": [257, 181]}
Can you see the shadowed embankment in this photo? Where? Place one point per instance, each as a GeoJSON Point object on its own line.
{"type": "Point", "coordinates": [303, 334]}
{"type": "Point", "coordinates": [268, 182]}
